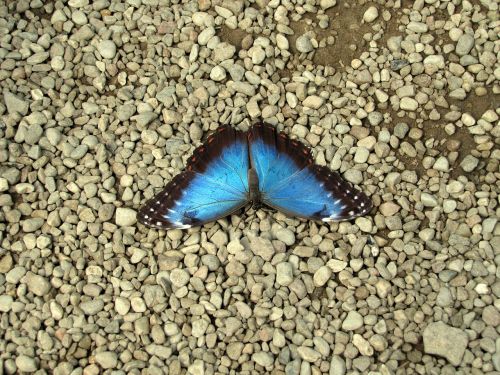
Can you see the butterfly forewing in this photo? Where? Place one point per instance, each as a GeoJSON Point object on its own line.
{"type": "Point", "coordinates": [289, 180]}
{"type": "Point", "coordinates": [213, 185]}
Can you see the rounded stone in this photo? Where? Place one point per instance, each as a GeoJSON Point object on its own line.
{"type": "Point", "coordinates": [179, 277]}
{"type": "Point", "coordinates": [304, 44]}
{"type": "Point", "coordinates": [25, 363]}
{"type": "Point", "coordinates": [125, 217]}
{"type": "Point", "coordinates": [284, 273]}
{"type": "Point", "coordinates": [107, 360]}
{"type": "Point", "coordinates": [286, 235]}
{"type": "Point", "coordinates": [371, 14]}
{"type": "Point", "coordinates": [353, 321]}
{"type": "Point", "coordinates": [107, 49]}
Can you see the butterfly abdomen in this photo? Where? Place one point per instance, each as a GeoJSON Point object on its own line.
{"type": "Point", "coordinates": [253, 186]}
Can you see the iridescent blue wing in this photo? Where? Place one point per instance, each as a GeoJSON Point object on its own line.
{"type": "Point", "coordinates": [289, 180]}
{"type": "Point", "coordinates": [214, 184]}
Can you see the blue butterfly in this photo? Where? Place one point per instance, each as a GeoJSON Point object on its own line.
{"type": "Point", "coordinates": [262, 165]}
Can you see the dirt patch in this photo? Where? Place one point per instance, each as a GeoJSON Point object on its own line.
{"type": "Point", "coordinates": [233, 37]}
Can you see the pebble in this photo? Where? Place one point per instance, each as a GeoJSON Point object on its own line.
{"type": "Point", "coordinates": [353, 321]}
{"type": "Point", "coordinates": [445, 341]}
{"type": "Point", "coordinates": [304, 44]}
{"type": "Point", "coordinates": [125, 217]}
{"type": "Point", "coordinates": [32, 225]}
{"type": "Point", "coordinates": [389, 208]}
{"type": "Point", "coordinates": [321, 276]}
{"type": "Point", "coordinates": [327, 4]}
{"type": "Point", "coordinates": [337, 265]}
{"type": "Point", "coordinates": [337, 365]}
{"type": "Point", "coordinates": [464, 44]}
{"type": "Point", "coordinates": [14, 103]}
{"type": "Point", "coordinates": [408, 104]}
{"type": "Point", "coordinates": [263, 359]}
{"type": "Point", "coordinates": [285, 235]}
{"type": "Point", "coordinates": [179, 278]}
{"type": "Point", "coordinates": [5, 303]}
{"type": "Point", "coordinates": [92, 307]}
{"type": "Point", "coordinates": [428, 200]}
{"type": "Point", "coordinates": [370, 15]}
{"type": "Point", "coordinates": [218, 73]}
{"type": "Point", "coordinates": [284, 273]}
{"type": "Point", "coordinates": [25, 363]}
{"type": "Point", "coordinates": [107, 360]}
{"type": "Point", "coordinates": [469, 163]}
{"type": "Point", "coordinates": [37, 284]}
{"type": "Point", "coordinates": [308, 354]}
{"type": "Point", "coordinates": [442, 164]}
{"type": "Point", "coordinates": [313, 101]}
{"type": "Point", "coordinates": [107, 49]}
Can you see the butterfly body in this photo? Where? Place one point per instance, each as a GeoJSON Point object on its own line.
{"type": "Point", "coordinates": [261, 166]}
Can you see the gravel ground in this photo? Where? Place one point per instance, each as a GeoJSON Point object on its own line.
{"type": "Point", "coordinates": [103, 101]}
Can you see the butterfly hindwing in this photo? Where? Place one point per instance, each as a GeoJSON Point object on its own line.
{"type": "Point", "coordinates": [289, 180]}
{"type": "Point", "coordinates": [213, 185]}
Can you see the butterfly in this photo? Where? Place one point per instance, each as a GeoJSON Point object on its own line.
{"type": "Point", "coordinates": [262, 166]}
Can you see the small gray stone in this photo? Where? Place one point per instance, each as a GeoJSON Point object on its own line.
{"type": "Point", "coordinates": [92, 307]}
{"type": "Point", "coordinates": [218, 73]}
{"type": "Point", "coordinates": [125, 111]}
{"type": "Point", "coordinates": [469, 163]}
{"type": "Point", "coordinates": [285, 235]}
{"type": "Point", "coordinates": [125, 216]}
{"type": "Point", "coordinates": [417, 27]}
{"type": "Point", "coordinates": [15, 274]}
{"type": "Point", "coordinates": [25, 363]}
{"type": "Point", "coordinates": [5, 302]}
{"type": "Point", "coordinates": [364, 224]}
{"type": "Point", "coordinates": [304, 44]}
{"type": "Point", "coordinates": [78, 3]}
{"type": "Point", "coordinates": [257, 54]}
{"type": "Point", "coordinates": [337, 366]}
{"type": "Point", "coordinates": [262, 247]}
{"type": "Point", "coordinates": [32, 224]}
{"type": "Point", "coordinates": [322, 275]}
{"type": "Point", "coordinates": [408, 104]}
{"type": "Point", "coordinates": [370, 14]}
{"type": "Point", "coordinates": [15, 104]}
{"type": "Point", "coordinates": [308, 354]}
{"type": "Point", "coordinates": [313, 101]}
{"type": "Point", "coordinates": [263, 359]}
{"type": "Point", "coordinates": [37, 284]}
{"type": "Point", "coordinates": [442, 164]}
{"type": "Point", "coordinates": [37, 58]}
{"type": "Point", "coordinates": [284, 273]}
{"type": "Point", "coordinates": [224, 51]}
{"type": "Point", "coordinates": [326, 4]}
{"type": "Point", "coordinates": [428, 200]}
{"type": "Point", "coordinates": [464, 44]}
{"type": "Point", "coordinates": [107, 49]}
{"type": "Point", "coordinates": [199, 327]}
{"type": "Point", "coordinates": [144, 119]}
{"type": "Point", "coordinates": [179, 277]}
{"type": "Point", "coordinates": [106, 360]}
{"type": "Point", "coordinates": [445, 341]}
{"type": "Point", "coordinates": [205, 36]}
{"type": "Point", "coordinates": [353, 321]}
{"type": "Point", "coordinates": [353, 176]}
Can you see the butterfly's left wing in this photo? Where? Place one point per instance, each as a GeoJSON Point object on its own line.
{"type": "Point", "coordinates": [289, 180]}
{"type": "Point", "coordinates": [214, 185]}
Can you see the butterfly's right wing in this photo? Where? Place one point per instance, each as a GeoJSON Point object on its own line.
{"type": "Point", "coordinates": [214, 185]}
{"type": "Point", "coordinates": [289, 180]}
